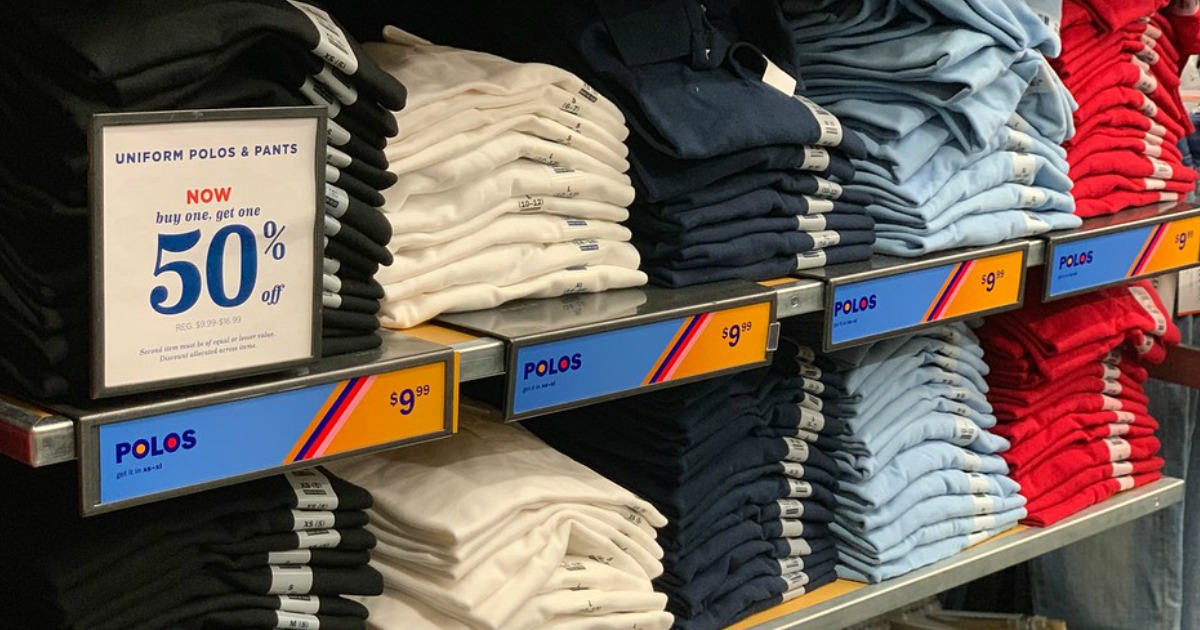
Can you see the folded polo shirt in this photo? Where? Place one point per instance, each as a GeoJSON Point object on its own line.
{"type": "Point", "coordinates": [1089, 496]}
{"type": "Point", "coordinates": [414, 255]}
{"type": "Point", "coordinates": [1066, 489]}
{"type": "Point", "coordinates": [476, 139]}
{"type": "Point", "coordinates": [1121, 200]}
{"type": "Point", "coordinates": [1150, 146]}
{"type": "Point", "coordinates": [912, 463]}
{"type": "Point", "coordinates": [921, 555]}
{"type": "Point", "coordinates": [768, 269]}
{"type": "Point", "coordinates": [784, 181]}
{"type": "Point", "coordinates": [977, 229]}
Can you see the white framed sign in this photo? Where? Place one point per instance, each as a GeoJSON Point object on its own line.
{"type": "Point", "coordinates": [206, 245]}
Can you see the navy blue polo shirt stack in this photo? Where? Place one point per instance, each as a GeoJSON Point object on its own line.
{"type": "Point", "coordinates": [71, 60]}
{"type": "Point", "coordinates": [962, 115]}
{"type": "Point", "coordinates": [283, 552]}
{"type": "Point", "coordinates": [737, 175]}
{"type": "Point", "coordinates": [741, 466]}
{"type": "Point", "coordinates": [919, 473]}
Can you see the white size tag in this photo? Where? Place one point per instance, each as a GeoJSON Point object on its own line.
{"type": "Point", "coordinates": [797, 449]}
{"type": "Point", "coordinates": [318, 94]}
{"type": "Point", "coordinates": [337, 157]}
{"type": "Point", "coordinates": [332, 44]}
{"type": "Point", "coordinates": [812, 420]}
{"type": "Point", "coordinates": [983, 522]}
{"type": "Point", "coordinates": [814, 387]}
{"type": "Point", "coordinates": [336, 134]}
{"type": "Point", "coordinates": [1110, 404]}
{"type": "Point", "coordinates": [307, 520]}
{"type": "Point", "coordinates": [332, 174]}
{"type": "Point", "coordinates": [1112, 388]}
{"type": "Point", "coordinates": [959, 393]}
{"type": "Point", "coordinates": [982, 504]}
{"type": "Point", "coordinates": [1024, 168]}
{"type": "Point", "coordinates": [806, 354]}
{"type": "Point", "coordinates": [332, 226]}
{"type": "Point", "coordinates": [1158, 130]}
{"type": "Point", "coordinates": [831, 127]}
{"type": "Point", "coordinates": [978, 484]}
{"type": "Point", "coordinates": [1034, 224]}
{"type": "Point", "coordinates": [1162, 170]}
{"type": "Point", "coordinates": [1120, 469]}
{"type": "Point", "coordinates": [285, 580]}
{"type": "Point", "coordinates": [1143, 297]}
{"type": "Point", "coordinates": [330, 283]}
{"type": "Point", "coordinates": [965, 432]}
{"type": "Point", "coordinates": [1031, 197]}
{"type": "Point", "coordinates": [293, 557]}
{"type": "Point", "coordinates": [825, 240]}
{"type": "Point", "coordinates": [792, 528]}
{"type": "Point", "coordinates": [1187, 301]}
{"type": "Point", "coordinates": [1125, 417]}
{"type": "Point", "coordinates": [318, 539]}
{"type": "Point", "coordinates": [306, 604]}
{"type": "Point", "coordinates": [812, 402]}
{"type": "Point", "coordinates": [815, 159]}
{"type": "Point", "coordinates": [817, 206]}
{"type": "Point", "coordinates": [1118, 430]}
{"type": "Point", "coordinates": [809, 371]}
{"type": "Point", "coordinates": [1020, 124]}
{"type": "Point", "coordinates": [347, 94]}
{"type": "Point", "coordinates": [1149, 107]}
{"type": "Point", "coordinates": [793, 469]}
{"type": "Point", "coordinates": [828, 189]}
{"type": "Point", "coordinates": [1148, 54]}
{"type": "Point", "coordinates": [799, 547]}
{"type": "Point", "coordinates": [792, 564]}
{"type": "Point", "coordinates": [337, 202]}
{"type": "Point", "coordinates": [795, 580]}
{"type": "Point", "coordinates": [1018, 141]}
{"type": "Point", "coordinates": [1124, 483]}
{"type": "Point", "coordinates": [777, 78]}
{"type": "Point", "coordinates": [330, 266]}
{"type": "Point", "coordinates": [1150, 183]}
{"type": "Point", "coordinates": [1118, 449]}
{"type": "Point", "coordinates": [1167, 286]}
{"type": "Point", "coordinates": [811, 259]}
{"type": "Point", "coordinates": [798, 489]}
{"type": "Point", "coordinates": [790, 508]}
{"type": "Point", "coordinates": [971, 462]}
{"type": "Point", "coordinates": [290, 620]}
{"type": "Point", "coordinates": [811, 223]}
{"type": "Point", "coordinates": [313, 490]}
{"type": "Point", "coordinates": [1111, 372]}
{"type": "Point", "coordinates": [1152, 150]}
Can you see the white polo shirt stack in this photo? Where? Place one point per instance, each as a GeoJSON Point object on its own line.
{"type": "Point", "coordinates": [494, 529]}
{"type": "Point", "coordinates": [511, 184]}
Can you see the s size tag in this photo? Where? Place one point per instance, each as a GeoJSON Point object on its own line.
{"type": "Point", "coordinates": [337, 157]}
{"type": "Point", "coordinates": [293, 557]}
{"type": "Point", "coordinates": [290, 620]}
{"type": "Point", "coordinates": [318, 539]}
{"type": "Point", "coordinates": [285, 580]}
{"type": "Point", "coordinates": [318, 94]}
{"type": "Point", "coordinates": [790, 508]}
{"type": "Point", "coordinates": [337, 134]}
{"type": "Point", "coordinates": [792, 564]}
{"type": "Point", "coordinates": [313, 490]}
{"type": "Point", "coordinates": [332, 44]}
{"type": "Point", "coordinates": [347, 94]}
{"type": "Point", "coordinates": [337, 202]}
{"type": "Point", "coordinates": [1110, 404]}
{"type": "Point", "coordinates": [814, 387]}
{"type": "Point", "coordinates": [1111, 372]}
{"type": "Point", "coordinates": [1162, 170]}
{"type": "Point", "coordinates": [1146, 84]}
{"type": "Point", "coordinates": [1125, 483]}
{"type": "Point", "coordinates": [828, 189]}
{"type": "Point", "coordinates": [810, 259]}
{"type": "Point", "coordinates": [1149, 108]}
{"type": "Point", "coordinates": [831, 127]}
{"type": "Point", "coordinates": [959, 393]}
{"type": "Point", "coordinates": [1147, 303]}
{"type": "Point", "coordinates": [982, 504]}
{"type": "Point", "coordinates": [305, 604]}
{"type": "Point", "coordinates": [1024, 168]}
{"type": "Point", "coordinates": [983, 523]}
{"type": "Point", "coordinates": [792, 528]}
{"type": "Point", "coordinates": [797, 449]}
{"type": "Point", "coordinates": [1118, 430]}
{"type": "Point", "coordinates": [812, 402]}
{"type": "Point", "coordinates": [1112, 388]}
{"type": "Point", "coordinates": [809, 371]}
{"type": "Point", "coordinates": [793, 469]}
{"type": "Point", "coordinates": [978, 484]}
{"type": "Point", "coordinates": [1125, 417]}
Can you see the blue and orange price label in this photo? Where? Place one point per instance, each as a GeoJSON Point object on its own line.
{"type": "Point", "coordinates": [1083, 264]}
{"type": "Point", "coordinates": [569, 372]}
{"type": "Point", "coordinates": [859, 311]}
{"type": "Point", "coordinates": [167, 452]}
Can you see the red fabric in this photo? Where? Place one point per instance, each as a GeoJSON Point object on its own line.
{"type": "Point", "coordinates": [1082, 53]}
{"type": "Point", "coordinates": [1110, 15]}
{"type": "Point", "coordinates": [1122, 117]}
{"type": "Point", "coordinates": [1120, 162]}
{"type": "Point", "coordinates": [1070, 461]}
{"type": "Point", "coordinates": [1095, 143]}
{"type": "Point", "coordinates": [1100, 185]}
{"type": "Point", "coordinates": [1122, 200]}
{"type": "Point", "coordinates": [1003, 376]}
{"type": "Point", "coordinates": [1091, 476]}
{"type": "Point", "coordinates": [1064, 434]}
{"type": "Point", "coordinates": [1183, 27]}
{"type": "Point", "coordinates": [1124, 388]}
{"type": "Point", "coordinates": [1042, 517]}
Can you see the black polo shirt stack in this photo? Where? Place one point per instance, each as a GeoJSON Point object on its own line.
{"type": "Point", "coordinates": [283, 552]}
{"type": "Point", "coordinates": [69, 60]}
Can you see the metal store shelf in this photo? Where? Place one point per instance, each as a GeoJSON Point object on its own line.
{"type": "Point", "coordinates": [844, 603]}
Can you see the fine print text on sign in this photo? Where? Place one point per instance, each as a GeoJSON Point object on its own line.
{"type": "Point", "coordinates": [206, 248]}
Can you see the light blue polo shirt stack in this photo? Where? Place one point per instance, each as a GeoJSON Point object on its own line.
{"type": "Point", "coordinates": [920, 476]}
{"type": "Point", "coordinates": [962, 115]}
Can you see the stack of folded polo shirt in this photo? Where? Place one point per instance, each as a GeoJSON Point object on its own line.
{"type": "Point", "coordinates": [740, 466]}
{"type": "Point", "coordinates": [1123, 63]}
{"type": "Point", "coordinates": [494, 529]}
{"type": "Point", "coordinates": [281, 552]}
{"type": "Point", "coordinates": [1066, 384]}
{"type": "Point", "coordinates": [919, 474]}
{"type": "Point", "coordinates": [71, 62]}
{"type": "Point", "coordinates": [736, 177]}
{"type": "Point", "coordinates": [511, 184]}
{"type": "Point", "coordinates": [960, 112]}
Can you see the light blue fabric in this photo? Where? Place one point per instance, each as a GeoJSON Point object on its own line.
{"type": "Point", "coordinates": [879, 421]}
{"type": "Point", "coordinates": [906, 350]}
{"type": "Point", "coordinates": [919, 556]}
{"type": "Point", "coordinates": [933, 484]}
{"type": "Point", "coordinates": [935, 510]}
{"type": "Point", "coordinates": [1012, 24]}
{"type": "Point", "coordinates": [1005, 197]}
{"type": "Point", "coordinates": [820, 25]}
{"type": "Point", "coordinates": [911, 464]}
{"type": "Point", "coordinates": [976, 230]}
{"type": "Point", "coordinates": [941, 54]}
{"type": "Point", "coordinates": [915, 431]}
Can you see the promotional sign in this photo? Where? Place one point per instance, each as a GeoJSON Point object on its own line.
{"type": "Point", "coordinates": [162, 453]}
{"type": "Point", "coordinates": [1083, 264]}
{"type": "Point", "coordinates": [567, 372]}
{"type": "Point", "coordinates": [205, 245]}
{"type": "Point", "coordinates": [858, 311]}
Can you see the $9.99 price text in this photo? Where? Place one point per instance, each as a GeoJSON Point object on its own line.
{"type": "Point", "coordinates": [733, 334]}
{"type": "Point", "coordinates": [406, 399]}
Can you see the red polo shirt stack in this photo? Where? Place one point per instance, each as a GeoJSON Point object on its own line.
{"type": "Point", "coordinates": [1121, 61]}
{"type": "Point", "coordinates": [1066, 384]}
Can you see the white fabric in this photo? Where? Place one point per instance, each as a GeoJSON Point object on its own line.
{"type": "Point", "coordinates": [404, 160]}
{"type": "Point", "coordinates": [508, 264]}
{"type": "Point", "coordinates": [571, 208]}
{"type": "Point", "coordinates": [395, 609]}
{"type": "Point", "coordinates": [473, 297]}
{"type": "Point", "coordinates": [440, 74]}
{"type": "Point", "coordinates": [419, 253]}
{"type": "Point", "coordinates": [473, 162]}
{"type": "Point", "coordinates": [508, 186]}
{"type": "Point", "coordinates": [419, 135]}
